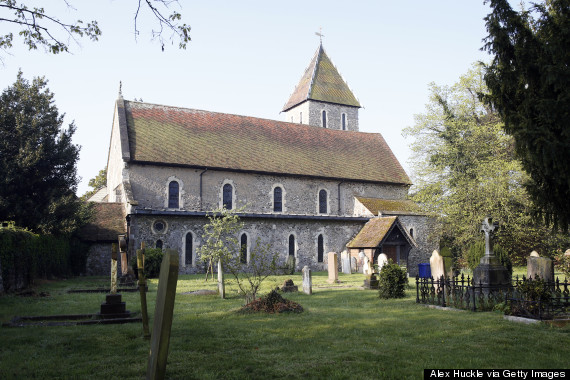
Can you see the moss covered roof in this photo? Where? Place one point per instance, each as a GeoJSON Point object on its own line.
{"type": "Point", "coordinates": [373, 232]}
{"type": "Point", "coordinates": [322, 81]}
{"type": "Point", "coordinates": [386, 206]}
{"type": "Point", "coordinates": [194, 138]}
{"type": "Point", "coordinates": [108, 222]}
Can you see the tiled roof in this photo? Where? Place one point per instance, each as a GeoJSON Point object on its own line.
{"type": "Point", "coordinates": [373, 232]}
{"type": "Point", "coordinates": [387, 206]}
{"type": "Point", "coordinates": [194, 138]}
{"type": "Point", "coordinates": [108, 222]}
{"type": "Point", "coordinates": [322, 81]}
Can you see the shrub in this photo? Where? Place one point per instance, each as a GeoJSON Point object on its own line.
{"type": "Point", "coordinates": [477, 251]}
{"type": "Point", "coordinates": [392, 281]}
{"type": "Point", "coordinates": [563, 263]}
{"type": "Point", "coordinates": [152, 261]}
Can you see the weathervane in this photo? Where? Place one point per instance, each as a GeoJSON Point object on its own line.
{"type": "Point", "coordinates": [320, 34]}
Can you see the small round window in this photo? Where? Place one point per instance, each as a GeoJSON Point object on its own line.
{"type": "Point", "coordinates": [159, 226]}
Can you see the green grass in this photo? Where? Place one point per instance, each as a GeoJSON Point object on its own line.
{"type": "Point", "coordinates": [344, 333]}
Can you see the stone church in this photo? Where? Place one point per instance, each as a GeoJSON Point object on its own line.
{"type": "Point", "coordinates": [308, 185]}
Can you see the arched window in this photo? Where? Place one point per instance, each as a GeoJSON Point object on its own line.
{"type": "Point", "coordinates": [158, 244]}
{"type": "Point", "coordinates": [173, 194]}
{"type": "Point", "coordinates": [320, 248]}
{"type": "Point", "coordinates": [243, 249]}
{"type": "Point", "coordinates": [188, 249]}
{"type": "Point", "coordinates": [343, 122]}
{"type": "Point", "coordinates": [324, 118]}
{"type": "Point", "coordinates": [323, 202]}
{"type": "Point", "coordinates": [227, 200]}
{"type": "Point", "coordinates": [278, 199]}
{"type": "Point", "coordinates": [411, 232]}
{"type": "Point", "coordinates": [291, 245]}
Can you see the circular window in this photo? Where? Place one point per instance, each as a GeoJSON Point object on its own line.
{"type": "Point", "coordinates": [159, 227]}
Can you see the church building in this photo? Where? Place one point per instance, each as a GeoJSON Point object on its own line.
{"type": "Point", "coordinates": [308, 185]}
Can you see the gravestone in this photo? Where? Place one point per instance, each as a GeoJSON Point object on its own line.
{"type": "Point", "coordinates": [307, 280]}
{"type": "Point", "coordinates": [353, 264]}
{"type": "Point", "coordinates": [567, 253]}
{"type": "Point", "coordinates": [534, 254]}
{"type": "Point", "coordinates": [289, 286]}
{"type": "Point", "coordinates": [163, 314]}
{"type": "Point", "coordinates": [542, 267]}
{"type": "Point", "coordinates": [333, 267]}
{"type": "Point", "coordinates": [290, 264]}
{"type": "Point", "coordinates": [437, 266]}
{"type": "Point", "coordinates": [366, 269]}
{"type": "Point", "coordinates": [345, 262]}
{"type": "Point", "coordinates": [382, 260]}
{"type": "Point", "coordinates": [221, 285]}
{"type": "Point", "coordinates": [490, 273]}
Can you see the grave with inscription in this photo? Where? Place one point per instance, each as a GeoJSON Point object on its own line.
{"type": "Point", "coordinates": [307, 280]}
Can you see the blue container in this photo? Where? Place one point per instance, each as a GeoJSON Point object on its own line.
{"type": "Point", "coordinates": [425, 270]}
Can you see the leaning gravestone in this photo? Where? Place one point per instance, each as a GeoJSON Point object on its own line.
{"type": "Point", "coordinates": [542, 267]}
{"type": "Point", "coordinates": [345, 262]}
{"type": "Point", "coordinates": [333, 267]}
{"type": "Point", "coordinates": [163, 314]}
{"type": "Point", "coordinates": [437, 266]}
{"type": "Point", "coordinates": [307, 280]}
{"type": "Point", "coordinates": [382, 260]}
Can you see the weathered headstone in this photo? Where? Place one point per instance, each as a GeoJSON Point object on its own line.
{"type": "Point", "coordinates": [221, 285]}
{"type": "Point", "coordinates": [114, 257]}
{"type": "Point", "coordinates": [567, 253]}
{"type": "Point", "coordinates": [437, 266]}
{"type": "Point", "coordinates": [289, 286]}
{"type": "Point", "coordinates": [382, 260]}
{"type": "Point", "coordinates": [353, 264]}
{"type": "Point", "coordinates": [307, 280]}
{"type": "Point", "coordinates": [542, 267]}
{"type": "Point", "coordinates": [345, 262]}
{"type": "Point", "coordinates": [333, 267]}
{"type": "Point", "coordinates": [534, 254]}
{"type": "Point", "coordinates": [290, 264]}
{"type": "Point", "coordinates": [163, 314]}
{"type": "Point", "coordinates": [366, 269]}
{"type": "Point", "coordinates": [490, 273]}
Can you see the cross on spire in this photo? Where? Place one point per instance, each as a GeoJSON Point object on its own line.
{"type": "Point", "coordinates": [320, 34]}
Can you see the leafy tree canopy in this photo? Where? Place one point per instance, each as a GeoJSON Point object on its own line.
{"type": "Point", "coordinates": [529, 84]}
{"type": "Point", "coordinates": [41, 28]}
{"type": "Point", "coordinates": [466, 169]}
{"type": "Point", "coordinates": [96, 183]}
{"type": "Point", "coordinates": [37, 161]}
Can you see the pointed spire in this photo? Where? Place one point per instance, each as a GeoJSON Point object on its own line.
{"type": "Point", "coordinates": [322, 81]}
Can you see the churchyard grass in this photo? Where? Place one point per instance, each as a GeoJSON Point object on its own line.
{"type": "Point", "coordinates": [344, 333]}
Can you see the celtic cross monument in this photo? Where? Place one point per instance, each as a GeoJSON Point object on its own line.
{"type": "Point", "coordinates": [490, 273]}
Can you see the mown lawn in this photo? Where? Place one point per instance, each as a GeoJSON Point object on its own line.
{"type": "Point", "coordinates": [344, 333]}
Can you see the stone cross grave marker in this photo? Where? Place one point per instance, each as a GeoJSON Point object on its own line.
{"type": "Point", "coordinates": [307, 280]}
{"type": "Point", "coordinates": [333, 267]}
{"type": "Point", "coordinates": [489, 228]}
{"type": "Point", "coordinates": [221, 285]}
{"type": "Point", "coordinates": [382, 260]}
{"type": "Point", "coordinates": [345, 262]}
{"type": "Point", "coordinates": [163, 314]}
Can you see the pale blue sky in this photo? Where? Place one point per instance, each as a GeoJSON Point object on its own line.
{"type": "Point", "coordinates": [247, 56]}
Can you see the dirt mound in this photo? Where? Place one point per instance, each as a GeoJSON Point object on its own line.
{"type": "Point", "coordinates": [272, 303]}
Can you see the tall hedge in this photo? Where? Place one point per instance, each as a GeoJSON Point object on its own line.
{"type": "Point", "coordinates": [25, 256]}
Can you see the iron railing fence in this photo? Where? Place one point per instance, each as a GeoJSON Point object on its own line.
{"type": "Point", "coordinates": [460, 292]}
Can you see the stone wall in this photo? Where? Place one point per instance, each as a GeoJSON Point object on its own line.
{"type": "Point", "coordinates": [425, 233]}
{"type": "Point", "coordinates": [99, 260]}
{"type": "Point", "coordinates": [253, 191]}
{"type": "Point", "coordinates": [311, 111]}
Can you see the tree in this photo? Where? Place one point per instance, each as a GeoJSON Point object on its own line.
{"type": "Point", "coordinates": [220, 238]}
{"type": "Point", "coordinates": [38, 28]}
{"type": "Point", "coordinates": [37, 161]}
{"type": "Point", "coordinates": [529, 84]}
{"type": "Point", "coordinates": [466, 169]}
{"type": "Point", "coordinates": [96, 183]}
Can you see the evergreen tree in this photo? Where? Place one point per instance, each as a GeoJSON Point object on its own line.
{"type": "Point", "coordinates": [37, 161]}
{"type": "Point", "coordinates": [529, 83]}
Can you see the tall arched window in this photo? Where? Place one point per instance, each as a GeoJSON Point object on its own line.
{"type": "Point", "coordinates": [291, 245]}
{"type": "Point", "coordinates": [343, 122]}
{"type": "Point", "coordinates": [243, 249]}
{"type": "Point", "coordinates": [188, 249]}
{"type": "Point", "coordinates": [324, 118]}
{"type": "Point", "coordinates": [227, 200]}
{"type": "Point", "coordinates": [158, 244]}
{"type": "Point", "coordinates": [173, 194]}
{"type": "Point", "coordinates": [277, 199]}
{"type": "Point", "coordinates": [320, 248]}
{"type": "Point", "coordinates": [323, 202]}
{"type": "Point", "coordinates": [411, 232]}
